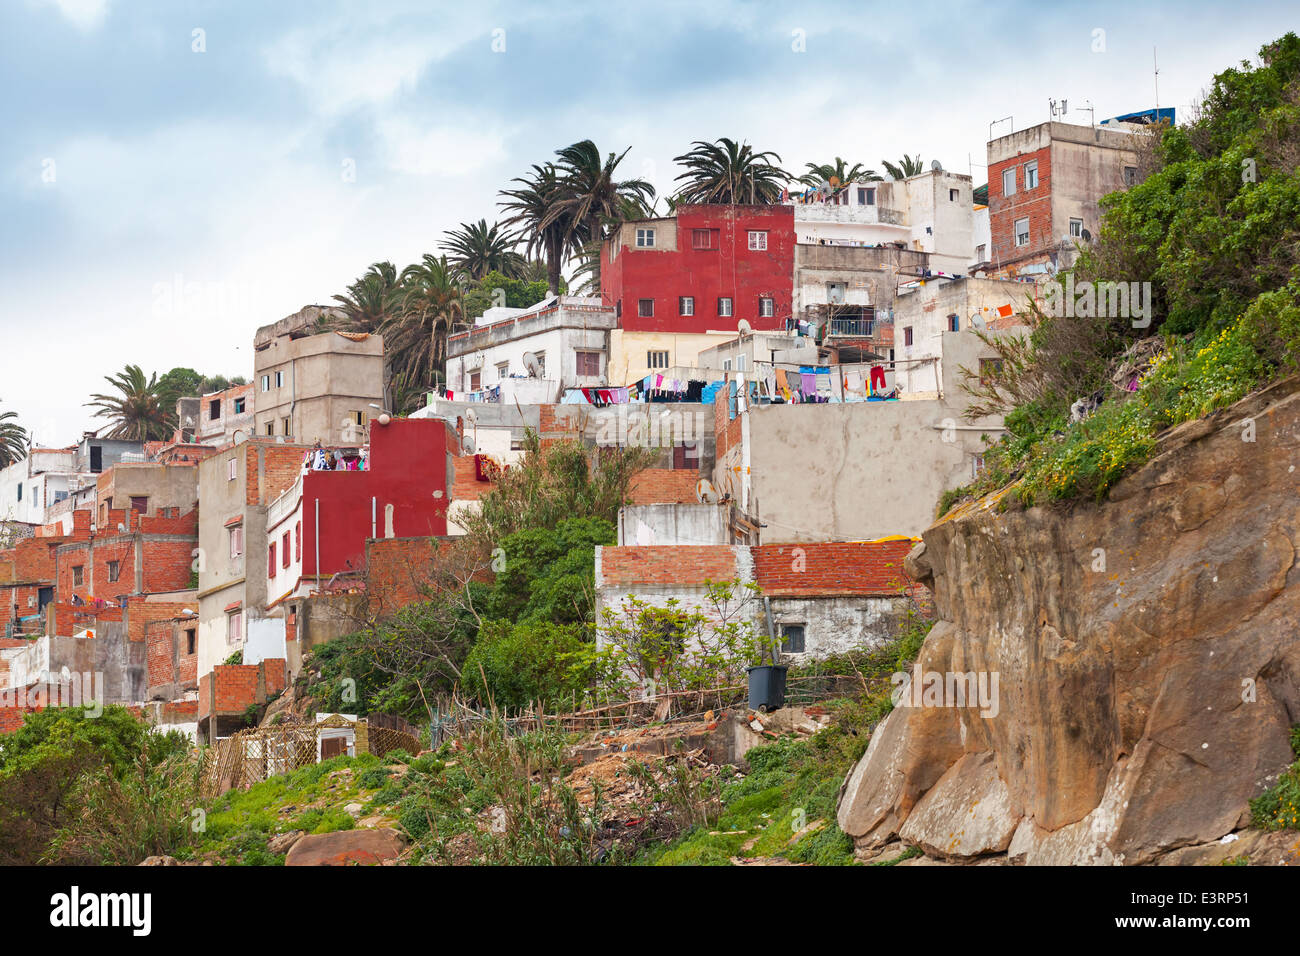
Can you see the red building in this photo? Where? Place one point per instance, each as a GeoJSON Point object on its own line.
{"type": "Point", "coordinates": [329, 515]}
{"type": "Point", "coordinates": [703, 269]}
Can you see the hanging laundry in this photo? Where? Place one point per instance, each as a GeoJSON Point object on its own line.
{"type": "Point", "coordinates": [877, 379]}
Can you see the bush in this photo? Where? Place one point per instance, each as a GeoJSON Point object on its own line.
{"type": "Point", "coordinates": [521, 664]}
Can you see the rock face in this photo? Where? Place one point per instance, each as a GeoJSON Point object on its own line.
{"type": "Point", "coordinates": [345, 848]}
{"type": "Point", "coordinates": [1147, 656]}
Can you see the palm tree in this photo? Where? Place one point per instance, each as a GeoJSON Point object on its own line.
{"type": "Point", "coordinates": [415, 337]}
{"type": "Point", "coordinates": [544, 233]}
{"type": "Point", "coordinates": [839, 171]}
{"type": "Point", "coordinates": [141, 411]}
{"type": "Point", "coordinates": [727, 172]}
{"type": "Point", "coordinates": [13, 440]}
{"type": "Point", "coordinates": [371, 300]}
{"type": "Point", "coordinates": [907, 166]}
{"type": "Point", "coordinates": [477, 249]}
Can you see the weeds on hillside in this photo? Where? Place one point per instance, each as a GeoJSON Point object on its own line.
{"type": "Point", "coordinates": [1278, 808]}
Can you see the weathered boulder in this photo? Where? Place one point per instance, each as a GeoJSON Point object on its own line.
{"type": "Point", "coordinates": [1147, 655]}
{"type": "Point", "coordinates": [346, 848]}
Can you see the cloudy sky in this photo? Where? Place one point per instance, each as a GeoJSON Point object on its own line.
{"type": "Point", "coordinates": [175, 174]}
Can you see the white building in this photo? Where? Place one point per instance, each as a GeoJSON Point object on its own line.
{"type": "Point", "coordinates": [30, 488]}
{"type": "Point", "coordinates": [531, 355]}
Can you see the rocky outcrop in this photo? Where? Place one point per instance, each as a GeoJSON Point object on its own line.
{"type": "Point", "coordinates": [1146, 653]}
{"type": "Point", "coordinates": [346, 848]}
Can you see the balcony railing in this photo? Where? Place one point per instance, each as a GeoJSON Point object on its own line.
{"type": "Point", "coordinates": [856, 327]}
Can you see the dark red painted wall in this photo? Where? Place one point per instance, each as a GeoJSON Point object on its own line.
{"type": "Point", "coordinates": [408, 467]}
{"type": "Point", "coordinates": [730, 270]}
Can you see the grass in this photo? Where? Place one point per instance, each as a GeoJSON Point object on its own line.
{"type": "Point", "coordinates": [1278, 808]}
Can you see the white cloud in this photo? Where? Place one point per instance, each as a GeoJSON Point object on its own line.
{"type": "Point", "coordinates": [85, 15]}
{"type": "Point", "coordinates": [444, 150]}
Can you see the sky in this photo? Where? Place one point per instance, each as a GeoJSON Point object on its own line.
{"type": "Point", "coordinates": [174, 174]}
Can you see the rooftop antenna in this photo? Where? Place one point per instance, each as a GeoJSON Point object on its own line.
{"type": "Point", "coordinates": [1155, 66]}
{"type": "Point", "coordinates": [1092, 112]}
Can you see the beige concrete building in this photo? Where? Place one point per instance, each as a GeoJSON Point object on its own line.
{"type": "Point", "coordinates": [313, 386]}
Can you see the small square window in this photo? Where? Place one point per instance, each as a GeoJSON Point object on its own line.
{"type": "Point", "coordinates": [234, 627]}
{"type": "Point", "coordinates": [1076, 228]}
{"type": "Point", "coordinates": [78, 575]}
{"type": "Point", "coordinates": [503, 371]}
{"type": "Point", "coordinates": [645, 308]}
{"type": "Point", "coordinates": [704, 238]}
{"type": "Point", "coordinates": [1022, 232]}
{"type": "Point", "coordinates": [657, 359]}
{"type": "Point", "coordinates": [686, 305]}
{"type": "Point", "coordinates": [792, 638]}
{"type": "Point", "coordinates": [588, 363]}
{"type": "Point", "coordinates": [1130, 175]}
{"type": "Point", "coordinates": [214, 408]}
{"type": "Point", "coordinates": [990, 370]}
{"type": "Point", "coordinates": [140, 503]}
{"type": "Point", "coordinates": [757, 240]}
{"type": "Point", "coordinates": [724, 307]}
{"type": "Point", "coordinates": [475, 381]}
{"type": "Point", "coordinates": [953, 195]}
{"type": "Point", "coordinates": [240, 405]}
{"type": "Point", "coordinates": [645, 238]}
{"type": "Point", "coordinates": [1009, 181]}
{"type": "Point", "coordinates": [766, 307]}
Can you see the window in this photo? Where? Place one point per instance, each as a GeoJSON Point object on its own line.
{"type": "Point", "coordinates": [792, 638]}
{"type": "Point", "coordinates": [656, 359]}
{"type": "Point", "coordinates": [114, 569]}
{"type": "Point", "coordinates": [270, 428]}
{"type": "Point", "coordinates": [740, 362]}
{"type": "Point", "coordinates": [475, 381]}
{"type": "Point", "coordinates": [724, 307]}
{"type": "Point", "coordinates": [645, 238]}
{"type": "Point", "coordinates": [866, 196]}
{"type": "Point", "coordinates": [686, 457]}
{"type": "Point", "coordinates": [78, 575]}
{"type": "Point", "coordinates": [588, 363]}
{"type": "Point", "coordinates": [297, 541]}
{"type": "Point", "coordinates": [270, 560]}
{"type": "Point", "coordinates": [234, 626]}
{"type": "Point", "coordinates": [284, 427]}
{"type": "Point", "coordinates": [907, 335]}
{"type": "Point", "coordinates": [503, 370]}
{"type": "Point", "coordinates": [990, 370]}
{"type": "Point", "coordinates": [953, 195]}
{"type": "Point", "coordinates": [757, 240]}
{"type": "Point", "coordinates": [1009, 181]}
{"type": "Point", "coordinates": [686, 305]}
{"type": "Point", "coordinates": [214, 408]}
{"type": "Point", "coordinates": [704, 238]}
{"type": "Point", "coordinates": [981, 252]}
{"type": "Point", "coordinates": [1130, 175]}
{"type": "Point", "coordinates": [1076, 228]}
{"type": "Point", "coordinates": [266, 383]}
{"type": "Point", "coordinates": [279, 379]}
{"type": "Point", "coordinates": [953, 323]}
{"type": "Point", "coordinates": [236, 541]}
{"type": "Point", "coordinates": [189, 642]}
{"type": "Point", "coordinates": [1031, 175]}
{"type": "Point", "coordinates": [231, 469]}
{"type": "Point", "coordinates": [645, 308]}
{"type": "Point", "coordinates": [766, 307]}
{"type": "Point", "coordinates": [140, 503]}
{"type": "Point", "coordinates": [240, 405]}
{"type": "Point", "coordinates": [1022, 232]}
{"type": "Point", "coordinates": [976, 465]}
{"type": "Point", "coordinates": [358, 418]}
{"type": "Point", "coordinates": [284, 550]}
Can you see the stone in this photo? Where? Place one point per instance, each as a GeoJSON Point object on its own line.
{"type": "Point", "coordinates": [159, 861]}
{"type": "Point", "coordinates": [1148, 655]}
{"type": "Point", "coordinates": [353, 810]}
{"type": "Point", "coordinates": [282, 842]}
{"type": "Point", "coordinates": [346, 848]}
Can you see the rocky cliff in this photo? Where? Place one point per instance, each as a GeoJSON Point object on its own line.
{"type": "Point", "coordinates": [1146, 652]}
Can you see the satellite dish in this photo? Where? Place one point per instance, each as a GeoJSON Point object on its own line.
{"type": "Point", "coordinates": [468, 446]}
{"type": "Point", "coordinates": [936, 165]}
{"type": "Point", "coordinates": [534, 367]}
{"type": "Point", "coordinates": [471, 417]}
{"type": "Point", "coordinates": [743, 327]}
{"type": "Point", "coordinates": [1087, 236]}
{"type": "Point", "coordinates": [705, 493]}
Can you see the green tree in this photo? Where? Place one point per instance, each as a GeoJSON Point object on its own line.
{"type": "Point", "coordinates": [13, 439]}
{"type": "Point", "coordinates": [725, 171]}
{"type": "Point", "coordinates": [371, 300]}
{"type": "Point", "coordinates": [141, 410]}
{"type": "Point", "coordinates": [416, 337]}
{"type": "Point", "coordinates": [905, 167]}
{"type": "Point", "coordinates": [476, 249]}
{"type": "Point", "coordinates": [530, 207]}
{"type": "Point", "coordinates": [840, 171]}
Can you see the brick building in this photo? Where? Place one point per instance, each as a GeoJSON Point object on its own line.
{"type": "Point", "coordinates": [681, 284]}
{"type": "Point", "coordinates": [818, 599]}
{"type": "Point", "coordinates": [1045, 185]}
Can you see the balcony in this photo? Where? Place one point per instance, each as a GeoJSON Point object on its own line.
{"type": "Point", "coordinates": [860, 328]}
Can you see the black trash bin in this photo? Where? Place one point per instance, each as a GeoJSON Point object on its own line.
{"type": "Point", "coordinates": [767, 687]}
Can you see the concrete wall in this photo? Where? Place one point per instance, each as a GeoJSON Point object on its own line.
{"type": "Point", "coordinates": [629, 351]}
{"type": "Point", "coordinates": [166, 486]}
{"type": "Point", "coordinates": [673, 524]}
{"type": "Point", "coordinates": [119, 665]}
{"type": "Point", "coordinates": [325, 378]}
